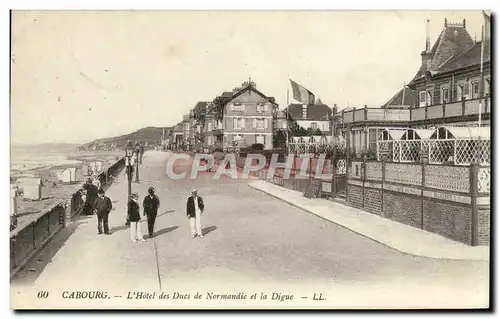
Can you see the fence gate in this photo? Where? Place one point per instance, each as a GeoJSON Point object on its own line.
{"type": "Point", "coordinates": [339, 171]}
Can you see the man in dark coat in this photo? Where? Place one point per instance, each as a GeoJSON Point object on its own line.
{"type": "Point", "coordinates": [151, 204]}
{"type": "Point", "coordinates": [194, 212]}
{"type": "Point", "coordinates": [91, 196]}
{"type": "Point", "coordinates": [102, 207]}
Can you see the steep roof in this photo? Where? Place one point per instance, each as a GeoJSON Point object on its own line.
{"type": "Point", "coordinates": [472, 56]}
{"type": "Point", "coordinates": [200, 108]}
{"type": "Point", "coordinates": [315, 112]}
{"type": "Point", "coordinates": [453, 40]}
{"type": "Point", "coordinates": [402, 97]}
{"type": "Point", "coordinates": [252, 88]}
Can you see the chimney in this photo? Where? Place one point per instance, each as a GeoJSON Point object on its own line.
{"type": "Point", "coordinates": [427, 37]}
{"type": "Point", "coordinates": [464, 24]}
{"type": "Point", "coordinates": [426, 54]}
{"type": "Point", "coordinates": [445, 22]}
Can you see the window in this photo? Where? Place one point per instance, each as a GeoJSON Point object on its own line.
{"type": "Point", "coordinates": [209, 126]}
{"type": "Point", "coordinates": [445, 94]}
{"type": "Point", "coordinates": [460, 92]}
{"type": "Point", "coordinates": [259, 139]}
{"type": "Point", "coordinates": [475, 89]}
{"type": "Point", "coordinates": [425, 98]}
{"type": "Point", "coordinates": [238, 107]}
{"type": "Point", "coordinates": [261, 108]}
{"type": "Point", "coordinates": [487, 86]}
{"type": "Point", "coordinates": [260, 123]}
{"type": "Point", "coordinates": [238, 122]}
{"type": "Point", "coordinates": [283, 124]}
{"type": "Point", "coordinates": [314, 126]}
{"type": "Point", "coordinates": [209, 140]}
{"type": "Point", "coordinates": [422, 99]}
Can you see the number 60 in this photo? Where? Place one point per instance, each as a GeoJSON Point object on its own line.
{"type": "Point", "coordinates": [43, 294]}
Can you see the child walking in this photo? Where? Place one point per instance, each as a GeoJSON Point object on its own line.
{"type": "Point", "coordinates": [134, 217]}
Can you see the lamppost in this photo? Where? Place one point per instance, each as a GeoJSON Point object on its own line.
{"type": "Point", "coordinates": [137, 151]}
{"type": "Point", "coordinates": [128, 156]}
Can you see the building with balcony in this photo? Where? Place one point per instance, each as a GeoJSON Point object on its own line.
{"type": "Point", "coordinates": [449, 86]}
{"type": "Point", "coordinates": [447, 90]}
{"type": "Point", "coordinates": [241, 118]}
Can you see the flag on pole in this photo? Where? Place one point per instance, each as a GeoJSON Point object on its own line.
{"type": "Point", "coordinates": [302, 94]}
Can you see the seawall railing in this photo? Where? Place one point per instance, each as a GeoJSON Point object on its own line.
{"type": "Point", "coordinates": [27, 241]}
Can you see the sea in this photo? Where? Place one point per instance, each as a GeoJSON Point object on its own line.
{"type": "Point", "coordinates": [25, 158]}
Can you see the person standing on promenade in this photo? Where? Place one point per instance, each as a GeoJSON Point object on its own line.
{"type": "Point", "coordinates": [91, 196]}
{"type": "Point", "coordinates": [194, 211]}
{"type": "Point", "coordinates": [151, 204]}
{"type": "Point", "coordinates": [102, 208]}
{"type": "Point", "coordinates": [134, 217]}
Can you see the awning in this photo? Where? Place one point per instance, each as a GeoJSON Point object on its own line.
{"type": "Point", "coordinates": [393, 134]}
{"type": "Point", "coordinates": [463, 133]}
{"type": "Point", "coordinates": [419, 134]}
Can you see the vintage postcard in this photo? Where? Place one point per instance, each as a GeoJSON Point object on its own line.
{"type": "Point", "coordinates": [250, 159]}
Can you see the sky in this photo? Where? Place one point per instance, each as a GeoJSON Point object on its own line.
{"type": "Point", "coordinates": [81, 75]}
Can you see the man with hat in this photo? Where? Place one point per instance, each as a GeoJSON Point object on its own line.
{"type": "Point", "coordinates": [134, 217]}
{"type": "Point", "coordinates": [91, 196]}
{"type": "Point", "coordinates": [151, 204]}
{"type": "Point", "coordinates": [102, 207]}
{"type": "Point", "coordinates": [194, 213]}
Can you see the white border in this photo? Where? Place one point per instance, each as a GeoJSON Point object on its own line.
{"type": "Point", "coordinates": [182, 5]}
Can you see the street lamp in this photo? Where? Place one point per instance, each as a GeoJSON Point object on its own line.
{"type": "Point", "coordinates": [128, 156]}
{"type": "Point", "coordinates": [137, 151]}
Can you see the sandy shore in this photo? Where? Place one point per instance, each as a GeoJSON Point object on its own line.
{"type": "Point", "coordinates": [53, 191]}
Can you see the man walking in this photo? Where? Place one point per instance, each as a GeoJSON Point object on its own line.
{"type": "Point", "coordinates": [151, 204]}
{"type": "Point", "coordinates": [91, 196]}
{"type": "Point", "coordinates": [134, 217]}
{"type": "Point", "coordinates": [194, 212]}
{"type": "Point", "coordinates": [102, 207]}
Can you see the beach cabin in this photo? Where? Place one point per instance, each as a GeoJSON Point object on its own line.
{"type": "Point", "coordinates": [32, 188]}
{"type": "Point", "coordinates": [85, 169]}
{"type": "Point", "coordinates": [13, 200]}
{"type": "Point", "coordinates": [67, 176]}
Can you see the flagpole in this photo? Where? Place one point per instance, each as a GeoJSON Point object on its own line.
{"type": "Point", "coordinates": [286, 117]}
{"type": "Point", "coordinates": [481, 88]}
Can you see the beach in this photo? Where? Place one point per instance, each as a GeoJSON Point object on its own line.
{"type": "Point", "coordinates": [45, 164]}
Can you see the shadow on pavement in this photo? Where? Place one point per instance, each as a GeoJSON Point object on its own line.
{"type": "Point", "coordinates": [119, 228]}
{"type": "Point", "coordinates": [208, 229]}
{"type": "Point", "coordinates": [166, 212]}
{"type": "Point", "coordinates": [165, 230]}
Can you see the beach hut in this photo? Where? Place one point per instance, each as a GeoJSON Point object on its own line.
{"type": "Point", "coordinates": [13, 200]}
{"type": "Point", "coordinates": [32, 188]}
{"type": "Point", "coordinates": [85, 169]}
{"type": "Point", "coordinates": [67, 176]}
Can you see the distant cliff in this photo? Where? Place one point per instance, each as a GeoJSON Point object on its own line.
{"type": "Point", "coordinates": [151, 135]}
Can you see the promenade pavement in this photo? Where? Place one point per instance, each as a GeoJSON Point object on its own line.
{"type": "Point", "coordinates": [396, 235]}
{"type": "Point", "coordinates": [254, 243]}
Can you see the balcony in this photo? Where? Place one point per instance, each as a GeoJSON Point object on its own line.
{"type": "Point", "coordinates": [218, 130]}
{"type": "Point", "coordinates": [376, 115]}
{"type": "Point", "coordinates": [455, 109]}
